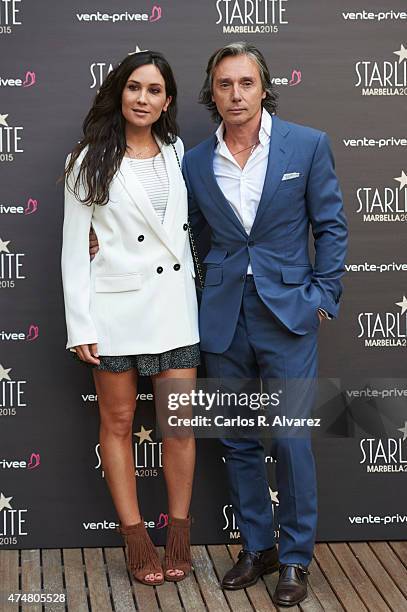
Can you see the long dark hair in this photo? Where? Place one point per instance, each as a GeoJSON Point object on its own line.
{"type": "Point", "coordinates": [233, 49]}
{"type": "Point", "coordinates": [104, 128]}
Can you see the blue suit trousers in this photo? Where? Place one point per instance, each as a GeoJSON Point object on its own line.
{"type": "Point", "coordinates": [263, 348]}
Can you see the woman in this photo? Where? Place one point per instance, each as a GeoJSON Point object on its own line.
{"type": "Point", "coordinates": [132, 311]}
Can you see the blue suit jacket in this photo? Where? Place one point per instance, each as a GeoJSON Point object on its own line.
{"type": "Point", "coordinates": [277, 247]}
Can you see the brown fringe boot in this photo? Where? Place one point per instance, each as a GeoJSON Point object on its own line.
{"type": "Point", "coordinates": [177, 549]}
{"type": "Point", "coordinates": [142, 557]}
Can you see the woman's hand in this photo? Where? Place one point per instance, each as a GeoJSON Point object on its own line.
{"type": "Point", "coordinates": [93, 243]}
{"type": "Point", "coordinates": [88, 353]}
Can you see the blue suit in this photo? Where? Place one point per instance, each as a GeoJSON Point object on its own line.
{"type": "Point", "coordinates": [267, 325]}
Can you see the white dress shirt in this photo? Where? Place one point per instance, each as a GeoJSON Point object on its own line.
{"type": "Point", "coordinates": [243, 187]}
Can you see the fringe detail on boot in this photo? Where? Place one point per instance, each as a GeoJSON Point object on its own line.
{"type": "Point", "coordinates": [178, 548]}
{"type": "Point", "coordinates": [142, 556]}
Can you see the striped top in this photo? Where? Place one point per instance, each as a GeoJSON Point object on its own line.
{"type": "Point", "coordinates": [152, 174]}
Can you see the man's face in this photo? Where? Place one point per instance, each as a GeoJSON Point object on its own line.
{"type": "Point", "coordinates": [237, 89]}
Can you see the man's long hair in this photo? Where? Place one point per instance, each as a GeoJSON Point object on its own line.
{"type": "Point", "coordinates": [233, 49]}
{"type": "Point", "coordinates": [104, 128]}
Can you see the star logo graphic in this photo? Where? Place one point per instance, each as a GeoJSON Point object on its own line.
{"type": "Point", "coordinates": [3, 119]}
{"type": "Point", "coordinates": [138, 50]}
{"type": "Point", "coordinates": [5, 502]}
{"type": "Point", "coordinates": [403, 431]}
{"type": "Point", "coordinates": [144, 435]}
{"type": "Point", "coordinates": [3, 246]}
{"type": "Point", "coordinates": [403, 305]}
{"type": "Point", "coordinates": [402, 180]}
{"type": "Point", "coordinates": [4, 373]}
{"type": "Point", "coordinates": [402, 53]}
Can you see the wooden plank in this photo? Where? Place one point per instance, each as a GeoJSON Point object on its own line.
{"type": "Point", "coordinates": [379, 576]}
{"type": "Point", "coordinates": [392, 563]}
{"type": "Point", "coordinates": [31, 577]}
{"type": "Point", "coordinates": [145, 596]}
{"type": "Point", "coordinates": [400, 548]}
{"type": "Point", "coordinates": [208, 582]}
{"type": "Point", "coordinates": [338, 580]}
{"type": "Point", "coordinates": [97, 581]}
{"type": "Point", "coordinates": [260, 593]}
{"type": "Point", "coordinates": [167, 593]}
{"type": "Point", "coordinates": [8, 579]}
{"type": "Point", "coordinates": [190, 594]}
{"type": "Point", "coordinates": [75, 580]}
{"type": "Point", "coordinates": [358, 577]}
{"type": "Point", "coordinates": [322, 589]}
{"type": "Point", "coordinates": [120, 584]}
{"type": "Point", "coordinates": [311, 603]}
{"type": "Point", "coordinates": [52, 575]}
{"type": "Point", "coordinates": [222, 562]}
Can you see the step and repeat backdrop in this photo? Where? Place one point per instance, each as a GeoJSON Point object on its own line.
{"type": "Point", "coordinates": [341, 69]}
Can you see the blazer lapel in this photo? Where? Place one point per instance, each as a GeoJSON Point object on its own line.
{"type": "Point", "coordinates": [211, 183]}
{"type": "Point", "coordinates": [279, 155]}
{"type": "Point", "coordinates": [139, 197]}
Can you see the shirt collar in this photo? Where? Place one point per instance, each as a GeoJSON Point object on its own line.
{"type": "Point", "coordinates": [264, 133]}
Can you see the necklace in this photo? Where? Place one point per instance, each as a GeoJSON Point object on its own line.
{"type": "Point", "coordinates": [140, 154]}
{"type": "Point", "coordinates": [252, 147]}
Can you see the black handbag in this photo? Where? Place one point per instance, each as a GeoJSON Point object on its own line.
{"type": "Point", "coordinates": [199, 284]}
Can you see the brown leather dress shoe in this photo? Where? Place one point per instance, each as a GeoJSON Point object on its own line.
{"type": "Point", "coordinates": [249, 567]}
{"type": "Point", "coordinates": [292, 584]}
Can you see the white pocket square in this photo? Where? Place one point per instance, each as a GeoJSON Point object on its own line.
{"type": "Point", "coordinates": [290, 175]}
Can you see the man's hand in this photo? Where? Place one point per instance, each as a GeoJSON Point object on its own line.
{"type": "Point", "coordinates": [321, 317]}
{"type": "Point", "coordinates": [88, 353]}
{"type": "Point", "coordinates": [93, 245]}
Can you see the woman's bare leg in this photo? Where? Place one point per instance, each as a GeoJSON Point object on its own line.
{"type": "Point", "coordinates": [117, 403]}
{"type": "Point", "coordinates": [178, 452]}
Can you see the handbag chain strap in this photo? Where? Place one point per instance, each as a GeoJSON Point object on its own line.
{"type": "Point", "coordinates": [197, 263]}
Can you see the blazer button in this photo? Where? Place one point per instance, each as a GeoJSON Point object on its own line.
{"type": "Point", "coordinates": [140, 238]}
{"type": "Point", "coordinates": [177, 267]}
{"type": "Point", "coordinates": [185, 227]}
{"type": "Point", "coordinates": [251, 243]}
{"type": "Point", "coordinates": [159, 269]}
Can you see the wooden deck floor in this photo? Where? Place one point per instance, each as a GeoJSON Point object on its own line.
{"type": "Point", "coordinates": [344, 576]}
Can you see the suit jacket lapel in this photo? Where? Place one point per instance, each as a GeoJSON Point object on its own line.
{"type": "Point", "coordinates": [279, 155]}
{"type": "Point", "coordinates": [139, 197]}
{"type": "Point", "coordinates": [215, 191]}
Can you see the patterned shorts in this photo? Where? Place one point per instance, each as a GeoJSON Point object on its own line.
{"type": "Point", "coordinates": [149, 365]}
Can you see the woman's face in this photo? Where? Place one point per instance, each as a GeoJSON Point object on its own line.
{"type": "Point", "coordinates": [144, 97]}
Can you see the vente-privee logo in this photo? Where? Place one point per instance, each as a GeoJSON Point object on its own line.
{"type": "Point", "coordinates": [28, 80]}
{"type": "Point", "coordinates": [124, 17]}
{"type": "Point", "coordinates": [30, 207]}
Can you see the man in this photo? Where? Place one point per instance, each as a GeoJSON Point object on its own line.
{"type": "Point", "coordinates": [259, 183]}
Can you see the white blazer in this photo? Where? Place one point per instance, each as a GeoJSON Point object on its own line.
{"type": "Point", "coordinates": [138, 294]}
